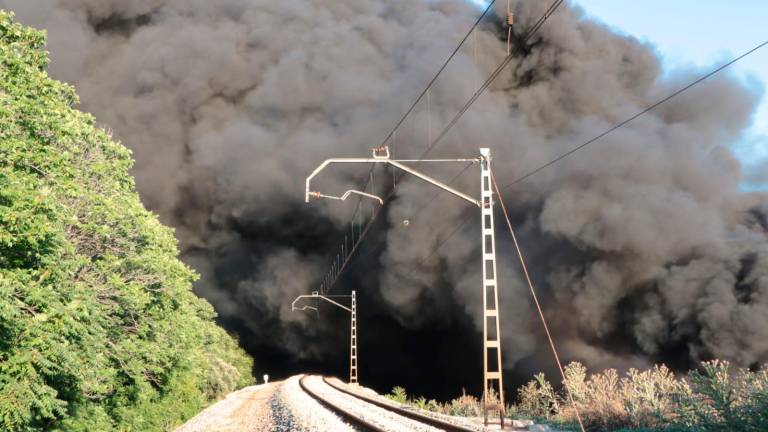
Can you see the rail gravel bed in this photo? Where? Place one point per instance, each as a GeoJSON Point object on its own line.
{"type": "Point", "coordinates": [445, 423]}
{"type": "Point", "coordinates": [463, 423]}
{"type": "Point", "coordinates": [246, 410]}
{"type": "Point", "coordinates": [365, 414]}
{"type": "Point", "coordinates": [312, 403]}
{"type": "Point", "coordinates": [308, 414]}
{"type": "Point", "coordinates": [276, 407]}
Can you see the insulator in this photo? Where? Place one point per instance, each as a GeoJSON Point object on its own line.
{"type": "Point", "coordinates": [381, 152]}
{"type": "Point", "coordinates": [510, 18]}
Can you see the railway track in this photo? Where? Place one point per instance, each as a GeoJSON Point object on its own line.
{"type": "Point", "coordinates": [368, 414]}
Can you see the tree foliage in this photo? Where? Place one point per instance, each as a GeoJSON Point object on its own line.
{"type": "Point", "coordinates": [99, 327]}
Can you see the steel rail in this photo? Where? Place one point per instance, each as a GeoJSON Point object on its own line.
{"type": "Point", "coordinates": [413, 415]}
{"type": "Point", "coordinates": [352, 419]}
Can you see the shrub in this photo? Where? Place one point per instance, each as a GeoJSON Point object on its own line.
{"type": "Point", "coordinates": [714, 398]}
{"type": "Point", "coordinates": [398, 395]}
{"type": "Point", "coordinates": [538, 399]}
{"type": "Point", "coordinates": [420, 403]}
{"type": "Point", "coordinates": [648, 395]}
{"type": "Point", "coordinates": [464, 406]}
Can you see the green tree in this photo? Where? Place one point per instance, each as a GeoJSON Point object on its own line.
{"type": "Point", "coordinates": [99, 327]}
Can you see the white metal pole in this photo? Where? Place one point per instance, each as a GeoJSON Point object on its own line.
{"type": "Point", "coordinates": [353, 343]}
{"type": "Point", "coordinates": [491, 345]}
{"type": "Point", "coordinates": [492, 373]}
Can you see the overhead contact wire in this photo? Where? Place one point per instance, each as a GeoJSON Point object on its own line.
{"type": "Point", "coordinates": [413, 216]}
{"type": "Point", "coordinates": [635, 116]}
{"type": "Point", "coordinates": [402, 119]}
{"type": "Point", "coordinates": [434, 79]}
{"type": "Point", "coordinates": [535, 28]}
{"type": "Point", "coordinates": [539, 23]}
{"type": "Point", "coordinates": [552, 8]}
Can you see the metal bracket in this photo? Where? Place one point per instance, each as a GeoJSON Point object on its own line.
{"type": "Point", "coordinates": [378, 157]}
{"type": "Point", "coordinates": [353, 329]}
{"type": "Point", "coordinates": [346, 195]}
{"type": "Point", "coordinates": [316, 295]}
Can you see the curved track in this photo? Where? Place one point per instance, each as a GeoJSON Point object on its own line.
{"type": "Point", "coordinates": [367, 425]}
{"type": "Point", "coordinates": [356, 422]}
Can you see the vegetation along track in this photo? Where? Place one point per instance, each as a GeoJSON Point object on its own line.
{"type": "Point", "coordinates": [369, 414]}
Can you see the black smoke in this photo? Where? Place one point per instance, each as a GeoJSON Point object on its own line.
{"type": "Point", "coordinates": [643, 246]}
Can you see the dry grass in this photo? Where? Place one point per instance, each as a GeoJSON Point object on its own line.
{"type": "Point", "coordinates": [716, 397]}
{"type": "Point", "coordinates": [464, 406]}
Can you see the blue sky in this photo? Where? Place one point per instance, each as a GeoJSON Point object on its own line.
{"type": "Point", "coordinates": [701, 33]}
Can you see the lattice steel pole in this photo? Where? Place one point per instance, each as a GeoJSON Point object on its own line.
{"type": "Point", "coordinates": [353, 343]}
{"type": "Point", "coordinates": [353, 333]}
{"type": "Point", "coordinates": [492, 366]}
{"type": "Point", "coordinates": [491, 342]}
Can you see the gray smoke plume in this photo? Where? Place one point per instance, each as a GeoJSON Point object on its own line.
{"type": "Point", "coordinates": [642, 245]}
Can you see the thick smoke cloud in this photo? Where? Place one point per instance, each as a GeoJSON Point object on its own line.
{"type": "Point", "coordinates": [643, 245]}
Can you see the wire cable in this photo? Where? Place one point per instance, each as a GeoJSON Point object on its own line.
{"type": "Point", "coordinates": [628, 120]}
{"type": "Point", "coordinates": [387, 199]}
{"type": "Point", "coordinates": [439, 72]}
{"type": "Point", "coordinates": [530, 33]}
{"type": "Point", "coordinates": [425, 92]}
{"type": "Point", "coordinates": [544, 166]}
{"type": "Point", "coordinates": [536, 299]}
{"type": "Point", "coordinates": [633, 117]}
{"type": "Point", "coordinates": [363, 259]}
{"type": "Point", "coordinates": [392, 133]}
{"type": "Point", "coordinates": [537, 304]}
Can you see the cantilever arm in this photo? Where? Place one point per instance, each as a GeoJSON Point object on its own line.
{"type": "Point", "coordinates": [330, 161]}
{"type": "Point", "coordinates": [315, 295]}
{"type": "Point", "coordinates": [435, 182]}
{"type": "Point", "coordinates": [384, 160]}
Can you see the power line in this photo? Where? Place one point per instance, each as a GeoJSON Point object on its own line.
{"type": "Point", "coordinates": [630, 119]}
{"type": "Point", "coordinates": [463, 222]}
{"type": "Point", "coordinates": [437, 75]}
{"type": "Point", "coordinates": [471, 101]}
{"type": "Point", "coordinates": [615, 127]}
{"type": "Point", "coordinates": [392, 133]}
{"type": "Point", "coordinates": [530, 33]}
{"type": "Point", "coordinates": [424, 92]}
{"type": "Point", "coordinates": [363, 259]}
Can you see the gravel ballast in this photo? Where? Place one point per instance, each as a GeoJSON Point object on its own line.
{"type": "Point", "coordinates": [245, 410]}
{"type": "Point", "coordinates": [378, 416]}
{"type": "Point", "coordinates": [286, 407]}
{"type": "Point", "coordinates": [307, 413]}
